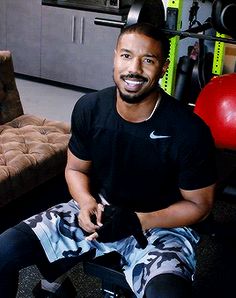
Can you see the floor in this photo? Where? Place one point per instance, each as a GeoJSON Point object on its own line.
{"type": "Point", "coordinates": [47, 100]}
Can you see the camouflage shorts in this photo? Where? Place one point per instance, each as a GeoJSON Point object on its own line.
{"type": "Point", "coordinates": [168, 250]}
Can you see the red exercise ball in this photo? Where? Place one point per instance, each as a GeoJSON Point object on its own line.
{"type": "Point", "coordinates": [216, 105]}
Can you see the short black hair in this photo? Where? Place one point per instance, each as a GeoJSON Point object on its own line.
{"type": "Point", "coordinates": [150, 31]}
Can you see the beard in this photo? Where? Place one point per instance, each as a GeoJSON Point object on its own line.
{"type": "Point", "coordinates": [129, 98]}
{"type": "Point", "coordinates": [137, 98]}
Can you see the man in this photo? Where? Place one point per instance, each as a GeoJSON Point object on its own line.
{"type": "Point", "coordinates": [140, 170]}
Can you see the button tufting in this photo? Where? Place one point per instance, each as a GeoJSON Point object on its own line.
{"type": "Point", "coordinates": [29, 143]}
{"type": "Point", "coordinates": [32, 149]}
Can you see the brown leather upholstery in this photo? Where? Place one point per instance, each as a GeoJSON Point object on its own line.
{"type": "Point", "coordinates": [10, 104]}
{"type": "Point", "coordinates": [32, 149]}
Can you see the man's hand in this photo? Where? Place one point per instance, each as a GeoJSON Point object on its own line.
{"type": "Point", "coordinates": [90, 216]}
{"type": "Point", "coordinates": [119, 223]}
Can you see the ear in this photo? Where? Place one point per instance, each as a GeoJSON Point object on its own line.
{"type": "Point", "coordinates": [114, 57]}
{"type": "Point", "coordinates": [165, 67]}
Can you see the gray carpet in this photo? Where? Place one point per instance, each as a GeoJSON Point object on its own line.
{"type": "Point", "coordinates": [87, 286]}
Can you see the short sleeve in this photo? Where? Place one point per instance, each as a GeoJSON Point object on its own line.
{"type": "Point", "coordinates": [197, 160]}
{"type": "Point", "coordinates": [79, 141]}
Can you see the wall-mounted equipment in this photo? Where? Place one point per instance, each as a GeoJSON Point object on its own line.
{"type": "Point", "coordinates": [223, 16]}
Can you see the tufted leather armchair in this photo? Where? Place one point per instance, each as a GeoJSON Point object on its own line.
{"type": "Point", "coordinates": [32, 149]}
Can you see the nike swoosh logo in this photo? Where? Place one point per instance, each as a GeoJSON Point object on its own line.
{"type": "Point", "coordinates": [153, 136]}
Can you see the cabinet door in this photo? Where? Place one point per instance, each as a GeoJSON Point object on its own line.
{"type": "Point", "coordinates": [23, 34]}
{"type": "Point", "coordinates": [96, 53]}
{"type": "Point", "coordinates": [3, 33]}
{"type": "Point", "coordinates": [76, 51]}
{"type": "Point", "coordinates": [59, 45]}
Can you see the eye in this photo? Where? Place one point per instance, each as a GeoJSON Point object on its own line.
{"type": "Point", "coordinates": [149, 61]}
{"type": "Point", "coordinates": [125, 56]}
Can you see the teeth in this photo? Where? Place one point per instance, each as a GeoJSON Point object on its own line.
{"type": "Point", "coordinates": [129, 82]}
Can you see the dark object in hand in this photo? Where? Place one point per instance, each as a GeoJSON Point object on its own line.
{"type": "Point", "coordinates": [93, 219]}
{"type": "Point", "coordinates": [119, 223]}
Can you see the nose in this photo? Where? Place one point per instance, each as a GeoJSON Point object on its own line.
{"type": "Point", "coordinates": [135, 66]}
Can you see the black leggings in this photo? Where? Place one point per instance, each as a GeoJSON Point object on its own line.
{"type": "Point", "coordinates": [168, 286]}
{"type": "Point", "coordinates": [20, 248]}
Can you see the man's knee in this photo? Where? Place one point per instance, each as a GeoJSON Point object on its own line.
{"type": "Point", "coordinates": [8, 248]}
{"type": "Point", "coordinates": [168, 286]}
{"type": "Point", "coordinates": [16, 246]}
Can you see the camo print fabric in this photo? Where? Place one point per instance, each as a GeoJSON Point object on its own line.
{"type": "Point", "coordinates": [168, 250]}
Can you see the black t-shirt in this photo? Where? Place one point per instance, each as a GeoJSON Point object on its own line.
{"type": "Point", "coordinates": [142, 165]}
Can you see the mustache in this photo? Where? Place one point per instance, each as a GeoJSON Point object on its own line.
{"type": "Point", "coordinates": [134, 76]}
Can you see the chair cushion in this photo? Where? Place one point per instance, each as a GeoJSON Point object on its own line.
{"type": "Point", "coordinates": [32, 150]}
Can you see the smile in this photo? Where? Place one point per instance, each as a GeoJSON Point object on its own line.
{"type": "Point", "coordinates": [133, 83]}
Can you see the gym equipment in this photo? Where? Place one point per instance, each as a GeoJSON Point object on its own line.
{"type": "Point", "coordinates": [173, 19]}
{"type": "Point", "coordinates": [152, 11]}
{"type": "Point", "coordinates": [183, 80]}
{"type": "Point", "coordinates": [193, 73]}
{"type": "Point", "coordinates": [218, 61]}
{"type": "Point", "coordinates": [108, 269]}
{"type": "Point", "coordinates": [223, 20]}
{"type": "Point", "coordinates": [216, 105]}
{"type": "Point", "coordinates": [223, 16]}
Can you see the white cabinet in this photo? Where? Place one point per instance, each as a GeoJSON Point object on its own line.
{"type": "Point", "coordinates": [23, 23]}
{"type": "Point", "coordinates": [76, 51]}
{"type": "Point", "coordinates": [3, 33]}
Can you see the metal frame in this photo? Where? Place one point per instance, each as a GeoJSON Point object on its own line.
{"type": "Point", "coordinates": [219, 51]}
{"type": "Point", "coordinates": [168, 81]}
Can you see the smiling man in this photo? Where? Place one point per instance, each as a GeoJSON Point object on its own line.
{"type": "Point", "coordinates": [141, 172]}
{"type": "Point", "coordinates": [139, 64]}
